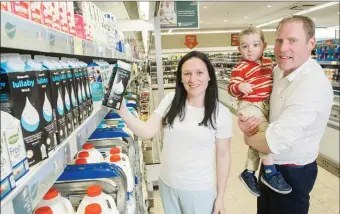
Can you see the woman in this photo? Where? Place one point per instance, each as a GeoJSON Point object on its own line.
{"type": "Point", "coordinates": [194, 123]}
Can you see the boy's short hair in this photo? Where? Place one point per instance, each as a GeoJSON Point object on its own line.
{"type": "Point", "coordinates": [308, 24]}
{"type": "Point", "coordinates": [251, 30]}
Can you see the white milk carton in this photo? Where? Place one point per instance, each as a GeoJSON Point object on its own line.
{"type": "Point", "coordinates": [7, 178]}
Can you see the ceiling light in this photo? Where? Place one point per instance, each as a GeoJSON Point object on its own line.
{"type": "Point", "coordinates": [144, 10]}
{"type": "Point", "coordinates": [314, 19]}
{"type": "Point", "coordinates": [300, 13]}
{"type": "Point", "coordinates": [170, 31]}
{"type": "Point", "coordinates": [225, 20]}
{"type": "Point", "coordinates": [205, 7]}
{"type": "Point", "coordinates": [201, 21]}
{"type": "Point", "coordinates": [269, 6]}
{"type": "Point", "coordinates": [338, 13]}
{"type": "Point", "coordinates": [246, 17]}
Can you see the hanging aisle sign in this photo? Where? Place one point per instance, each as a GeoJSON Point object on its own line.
{"type": "Point", "coordinates": [179, 14]}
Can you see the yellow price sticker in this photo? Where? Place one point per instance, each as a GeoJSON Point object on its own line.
{"type": "Point", "coordinates": [78, 46]}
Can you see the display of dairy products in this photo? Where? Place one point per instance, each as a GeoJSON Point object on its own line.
{"type": "Point", "coordinates": [71, 91]}
{"type": "Point", "coordinates": [57, 97]}
{"type": "Point", "coordinates": [87, 88]}
{"type": "Point", "coordinates": [11, 131]}
{"type": "Point", "coordinates": [57, 203]}
{"type": "Point", "coordinates": [77, 78]}
{"type": "Point", "coordinates": [94, 154]}
{"type": "Point", "coordinates": [120, 83]}
{"type": "Point", "coordinates": [7, 178]}
{"type": "Point", "coordinates": [123, 162]}
{"type": "Point", "coordinates": [95, 194]}
{"type": "Point", "coordinates": [44, 93]}
{"type": "Point", "coordinates": [95, 74]}
{"type": "Point", "coordinates": [19, 97]}
{"type": "Point", "coordinates": [67, 99]}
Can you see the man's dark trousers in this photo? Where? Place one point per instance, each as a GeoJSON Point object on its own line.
{"type": "Point", "coordinates": [301, 179]}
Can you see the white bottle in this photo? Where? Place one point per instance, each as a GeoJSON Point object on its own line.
{"type": "Point", "coordinates": [123, 162]}
{"type": "Point", "coordinates": [84, 158]}
{"type": "Point", "coordinates": [95, 194]}
{"type": "Point", "coordinates": [94, 154]}
{"type": "Point", "coordinates": [57, 203]}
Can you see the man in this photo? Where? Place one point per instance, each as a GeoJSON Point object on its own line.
{"type": "Point", "coordinates": [300, 105]}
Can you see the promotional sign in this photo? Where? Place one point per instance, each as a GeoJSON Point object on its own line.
{"type": "Point", "coordinates": [190, 41]}
{"type": "Point", "coordinates": [179, 14]}
{"type": "Point", "coordinates": [234, 39]}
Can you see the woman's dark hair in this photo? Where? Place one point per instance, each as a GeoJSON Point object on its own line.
{"type": "Point", "coordinates": [177, 107]}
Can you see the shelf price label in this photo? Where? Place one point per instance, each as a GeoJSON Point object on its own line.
{"type": "Point", "coordinates": [78, 46]}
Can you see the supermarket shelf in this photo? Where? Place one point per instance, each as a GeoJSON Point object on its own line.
{"type": "Point", "coordinates": [336, 84]}
{"type": "Point", "coordinates": [155, 72]}
{"type": "Point", "coordinates": [329, 62]}
{"type": "Point", "coordinates": [33, 186]}
{"type": "Point", "coordinates": [21, 33]}
{"type": "Point", "coordinates": [166, 86]}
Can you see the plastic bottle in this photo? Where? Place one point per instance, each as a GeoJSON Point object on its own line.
{"type": "Point", "coordinates": [94, 154]}
{"type": "Point", "coordinates": [57, 203]}
{"type": "Point", "coordinates": [95, 194]}
{"type": "Point", "coordinates": [123, 162]}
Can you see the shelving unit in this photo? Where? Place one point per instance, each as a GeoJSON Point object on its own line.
{"type": "Point", "coordinates": [33, 186]}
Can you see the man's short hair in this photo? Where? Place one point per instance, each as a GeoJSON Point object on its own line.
{"type": "Point", "coordinates": [308, 24]}
{"type": "Point", "coordinates": [251, 30]}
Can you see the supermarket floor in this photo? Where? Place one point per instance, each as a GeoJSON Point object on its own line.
{"type": "Point", "coordinates": [237, 200]}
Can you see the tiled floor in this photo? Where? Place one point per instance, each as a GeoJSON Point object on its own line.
{"type": "Point", "coordinates": [237, 200]}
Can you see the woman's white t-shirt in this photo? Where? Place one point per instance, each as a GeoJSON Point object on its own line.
{"type": "Point", "coordinates": [187, 159]}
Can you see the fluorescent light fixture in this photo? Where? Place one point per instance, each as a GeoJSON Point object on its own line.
{"type": "Point", "coordinates": [301, 13]}
{"type": "Point", "coordinates": [144, 10]}
{"type": "Point", "coordinates": [170, 31]}
{"type": "Point", "coordinates": [333, 28]}
{"type": "Point", "coordinates": [269, 6]}
{"type": "Point", "coordinates": [246, 17]}
{"type": "Point", "coordinates": [211, 32]}
{"type": "Point", "coordinates": [225, 20]}
{"type": "Point", "coordinates": [205, 7]}
{"type": "Point", "coordinates": [201, 21]}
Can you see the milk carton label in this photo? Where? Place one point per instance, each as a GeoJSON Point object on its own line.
{"type": "Point", "coordinates": [35, 10]}
{"type": "Point", "coordinates": [119, 85]}
{"type": "Point", "coordinates": [46, 114]}
{"type": "Point", "coordinates": [58, 106]}
{"type": "Point", "coordinates": [21, 8]}
{"type": "Point", "coordinates": [46, 11]}
{"type": "Point", "coordinates": [96, 84]}
{"type": "Point", "coordinates": [79, 97]}
{"type": "Point", "coordinates": [87, 92]}
{"type": "Point", "coordinates": [23, 100]}
{"type": "Point", "coordinates": [7, 178]}
{"type": "Point", "coordinates": [67, 101]}
{"type": "Point", "coordinates": [109, 85]}
{"type": "Point", "coordinates": [74, 101]}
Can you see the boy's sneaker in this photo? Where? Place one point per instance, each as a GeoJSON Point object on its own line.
{"type": "Point", "coordinates": [277, 183]}
{"type": "Point", "coordinates": [250, 181]}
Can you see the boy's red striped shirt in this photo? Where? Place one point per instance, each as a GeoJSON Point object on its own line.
{"type": "Point", "coordinates": [258, 73]}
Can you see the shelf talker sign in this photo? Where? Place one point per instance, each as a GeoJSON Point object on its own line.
{"type": "Point", "coordinates": [190, 41]}
{"type": "Point", "coordinates": [179, 14]}
{"type": "Point", "coordinates": [234, 39]}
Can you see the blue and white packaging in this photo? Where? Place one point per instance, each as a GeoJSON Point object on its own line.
{"type": "Point", "coordinates": [19, 97]}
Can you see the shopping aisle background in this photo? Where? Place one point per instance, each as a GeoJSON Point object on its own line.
{"type": "Point", "coordinates": [237, 200]}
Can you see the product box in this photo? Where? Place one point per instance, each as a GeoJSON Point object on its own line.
{"type": "Point", "coordinates": [21, 8]}
{"type": "Point", "coordinates": [70, 18]}
{"type": "Point", "coordinates": [80, 30]}
{"type": "Point", "coordinates": [81, 82]}
{"type": "Point", "coordinates": [35, 10]}
{"type": "Point", "coordinates": [109, 85]}
{"type": "Point", "coordinates": [46, 11]}
{"type": "Point", "coordinates": [19, 97]}
{"type": "Point", "coordinates": [46, 114]}
{"type": "Point", "coordinates": [13, 137]}
{"type": "Point", "coordinates": [67, 100]}
{"type": "Point", "coordinates": [63, 17]}
{"type": "Point", "coordinates": [77, 87]}
{"type": "Point", "coordinates": [74, 100]}
{"type": "Point", "coordinates": [55, 16]}
{"type": "Point", "coordinates": [95, 72]}
{"type": "Point", "coordinates": [120, 83]}
{"type": "Point", "coordinates": [7, 178]}
{"type": "Point", "coordinates": [6, 6]}
{"type": "Point", "coordinates": [87, 89]}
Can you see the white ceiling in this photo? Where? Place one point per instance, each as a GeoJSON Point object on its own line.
{"type": "Point", "coordinates": [213, 14]}
{"type": "Point", "coordinates": [116, 8]}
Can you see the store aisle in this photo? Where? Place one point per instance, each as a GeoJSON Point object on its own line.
{"type": "Point", "coordinates": [237, 200]}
